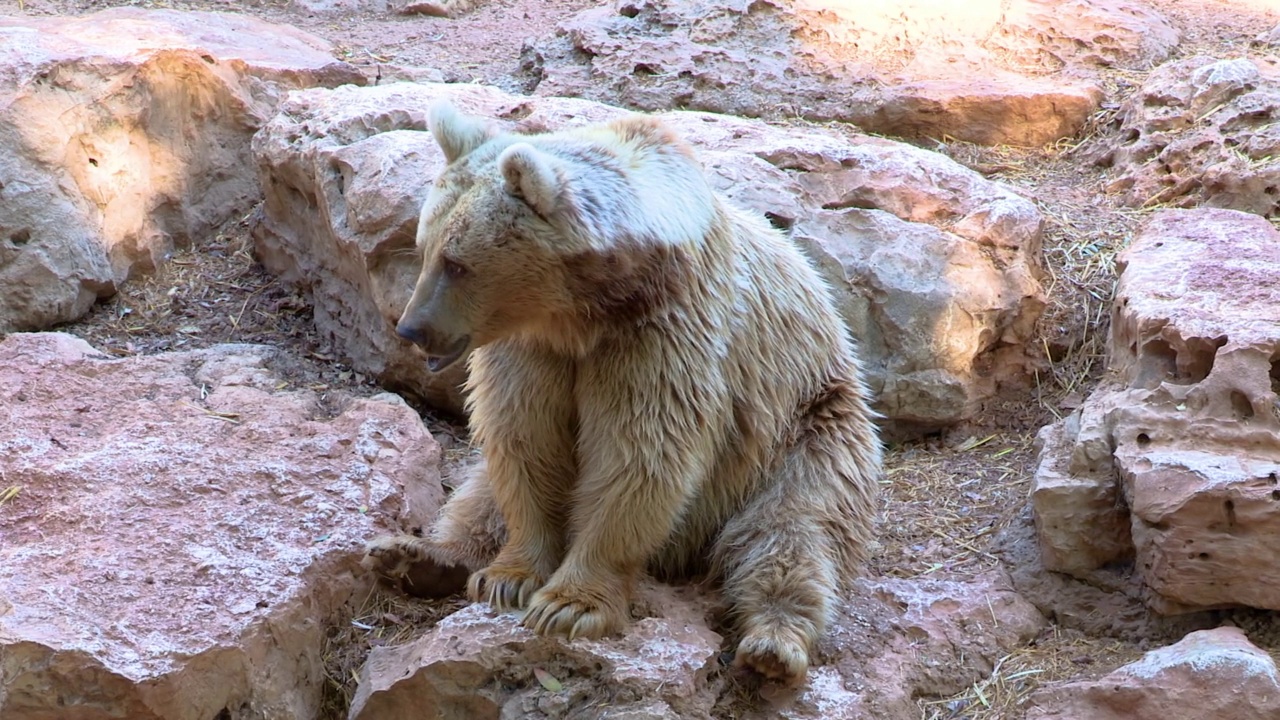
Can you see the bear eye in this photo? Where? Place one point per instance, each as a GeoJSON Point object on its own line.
{"type": "Point", "coordinates": [453, 269]}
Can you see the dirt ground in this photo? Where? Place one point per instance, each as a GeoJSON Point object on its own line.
{"type": "Point", "coordinates": [955, 505]}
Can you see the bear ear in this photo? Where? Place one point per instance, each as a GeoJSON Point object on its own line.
{"type": "Point", "coordinates": [457, 134]}
{"type": "Point", "coordinates": [533, 176]}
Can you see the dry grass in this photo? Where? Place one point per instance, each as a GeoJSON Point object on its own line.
{"type": "Point", "coordinates": [385, 618]}
{"type": "Point", "coordinates": [944, 505]}
{"type": "Point", "coordinates": [217, 293]}
{"type": "Point", "coordinates": [1004, 693]}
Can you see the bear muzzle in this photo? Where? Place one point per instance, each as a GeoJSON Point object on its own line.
{"type": "Point", "coordinates": [441, 352]}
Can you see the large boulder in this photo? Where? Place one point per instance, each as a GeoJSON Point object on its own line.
{"type": "Point", "coordinates": [125, 133]}
{"type": "Point", "coordinates": [1199, 131]}
{"type": "Point", "coordinates": [1014, 72]}
{"type": "Point", "coordinates": [1174, 460]}
{"type": "Point", "coordinates": [187, 528]}
{"type": "Point", "coordinates": [935, 268]}
{"type": "Point", "coordinates": [1208, 674]}
{"type": "Point", "coordinates": [895, 641]}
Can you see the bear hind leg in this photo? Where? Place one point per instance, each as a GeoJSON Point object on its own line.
{"type": "Point", "coordinates": [786, 557]}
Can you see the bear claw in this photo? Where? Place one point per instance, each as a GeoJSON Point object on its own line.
{"type": "Point", "coordinates": [571, 614]}
{"type": "Point", "coordinates": [504, 588]}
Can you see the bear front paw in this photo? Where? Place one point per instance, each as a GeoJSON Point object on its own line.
{"type": "Point", "coordinates": [394, 555]}
{"type": "Point", "coordinates": [504, 586]}
{"type": "Point", "coordinates": [576, 612]}
{"type": "Point", "coordinates": [776, 653]}
{"type": "Point", "coordinates": [409, 560]}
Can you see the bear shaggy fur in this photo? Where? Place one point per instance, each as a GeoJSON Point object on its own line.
{"type": "Point", "coordinates": [658, 381]}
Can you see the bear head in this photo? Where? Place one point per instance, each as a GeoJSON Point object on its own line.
{"type": "Point", "coordinates": [544, 236]}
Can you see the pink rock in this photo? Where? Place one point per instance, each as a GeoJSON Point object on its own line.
{"type": "Point", "coordinates": [1200, 131]}
{"type": "Point", "coordinates": [478, 664]}
{"type": "Point", "coordinates": [1190, 420]}
{"type": "Point", "coordinates": [127, 134]}
{"type": "Point", "coordinates": [345, 170]}
{"type": "Point", "coordinates": [1208, 674]}
{"type": "Point", "coordinates": [894, 641]}
{"type": "Point", "coordinates": [1021, 72]}
{"type": "Point", "coordinates": [187, 528]}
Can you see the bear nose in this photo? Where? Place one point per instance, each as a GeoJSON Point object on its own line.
{"type": "Point", "coordinates": [412, 334]}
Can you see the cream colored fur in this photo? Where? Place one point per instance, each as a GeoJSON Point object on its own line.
{"type": "Point", "coordinates": [658, 380]}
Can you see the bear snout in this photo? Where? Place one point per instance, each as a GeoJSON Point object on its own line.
{"type": "Point", "coordinates": [442, 351]}
{"type": "Point", "coordinates": [410, 333]}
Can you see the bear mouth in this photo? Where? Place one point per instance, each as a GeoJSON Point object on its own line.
{"type": "Point", "coordinates": [436, 363]}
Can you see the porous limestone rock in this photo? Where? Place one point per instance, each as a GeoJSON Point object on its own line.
{"type": "Point", "coordinates": [125, 133]}
{"type": "Point", "coordinates": [1208, 674]}
{"type": "Point", "coordinates": [894, 641]}
{"type": "Point", "coordinates": [1200, 131]}
{"type": "Point", "coordinates": [935, 268]}
{"type": "Point", "coordinates": [1184, 434]}
{"type": "Point", "coordinates": [187, 528]}
{"type": "Point", "coordinates": [988, 71]}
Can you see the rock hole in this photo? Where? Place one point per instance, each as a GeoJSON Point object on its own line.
{"type": "Point", "coordinates": [1131, 136]}
{"type": "Point", "coordinates": [20, 237]}
{"type": "Point", "coordinates": [1275, 373]}
{"type": "Point", "coordinates": [1275, 494]}
{"type": "Point", "coordinates": [1241, 406]}
{"type": "Point", "coordinates": [223, 714]}
{"type": "Point", "coordinates": [1203, 556]}
{"type": "Point", "coordinates": [1195, 364]}
{"type": "Point", "coordinates": [209, 59]}
{"type": "Point", "coordinates": [1157, 362]}
{"type": "Point", "coordinates": [782, 223]}
{"type": "Point", "coordinates": [645, 69]}
{"type": "Point", "coordinates": [519, 112]}
{"type": "Point", "coordinates": [629, 11]}
{"type": "Point", "coordinates": [1271, 190]}
{"type": "Point", "coordinates": [1230, 507]}
{"type": "Point", "coordinates": [93, 162]}
{"type": "Point", "coordinates": [1273, 478]}
{"type": "Point", "coordinates": [1143, 439]}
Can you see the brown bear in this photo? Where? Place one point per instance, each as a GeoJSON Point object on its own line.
{"type": "Point", "coordinates": [658, 381]}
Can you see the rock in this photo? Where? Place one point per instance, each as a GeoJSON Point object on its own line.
{"type": "Point", "coordinates": [438, 8]}
{"type": "Point", "coordinates": [944, 636]}
{"type": "Point", "coordinates": [477, 664]}
{"type": "Point", "coordinates": [1209, 674]}
{"type": "Point", "coordinates": [1021, 72]}
{"type": "Point", "coordinates": [1271, 37]}
{"type": "Point", "coordinates": [896, 640]}
{"type": "Point", "coordinates": [935, 268]}
{"type": "Point", "coordinates": [186, 532]}
{"type": "Point", "coordinates": [1189, 419]}
{"type": "Point", "coordinates": [126, 132]}
{"type": "Point", "coordinates": [1081, 518]}
{"type": "Point", "coordinates": [1199, 131]}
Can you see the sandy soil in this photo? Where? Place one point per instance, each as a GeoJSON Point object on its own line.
{"type": "Point", "coordinates": [956, 504]}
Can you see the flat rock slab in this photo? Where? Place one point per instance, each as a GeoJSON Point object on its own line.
{"type": "Point", "coordinates": [894, 641]}
{"type": "Point", "coordinates": [1208, 674]}
{"type": "Point", "coordinates": [936, 269]}
{"type": "Point", "coordinates": [1199, 131]}
{"type": "Point", "coordinates": [1184, 438]}
{"type": "Point", "coordinates": [126, 133]}
{"type": "Point", "coordinates": [187, 528]}
{"type": "Point", "coordinates": [1017, 72]}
